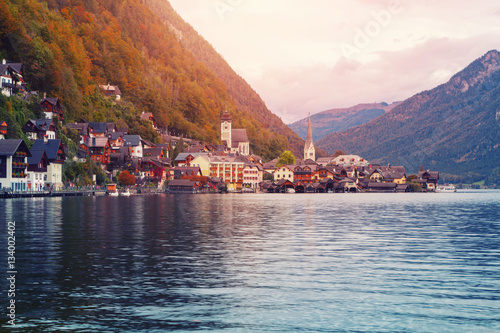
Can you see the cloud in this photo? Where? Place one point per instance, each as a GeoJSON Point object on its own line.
{"type": "Point", "coordinates": [290, 51]}
{"type": "Point", "coordinates": [392, 76]}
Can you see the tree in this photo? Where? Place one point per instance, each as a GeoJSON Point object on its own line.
{"type": "Point", "coordinates": [125, 178]}
{"type": "Point", "coordinates": [179, 148]}
{"type": "Point", "coordinates": [410, 178]}
{"type": "Point", "coordinates": [338, 153]}
{"type": "Point", "coordinates": [286, 158]}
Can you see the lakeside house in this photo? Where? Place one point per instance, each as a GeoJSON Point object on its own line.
{"type": "Point", "coordinates": [54, 150]}
{"type": "Point", "coordinates": [38, 164]}
{"type": "Point", "coordinates": [13, 164]}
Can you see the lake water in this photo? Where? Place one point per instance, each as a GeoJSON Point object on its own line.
{"type": "Point", "coordinates": [256, 263]}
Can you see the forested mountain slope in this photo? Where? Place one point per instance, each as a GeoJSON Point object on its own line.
{"type": "Point", "coordinates": [245, 98]}
{"type": "Point", "coordinates": [70, 47]}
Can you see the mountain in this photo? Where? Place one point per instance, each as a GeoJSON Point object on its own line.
{"type": "Point", "coordinates": [69, 48]}
{"type": "Point", "coordinates": [245, 98]}
{"type": "Point", "coordinates": [338, 120]}
{"type": "Point", "coordinates": [453, 128]}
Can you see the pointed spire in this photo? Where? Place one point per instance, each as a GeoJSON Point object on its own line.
{"type": "Point", "coordinates": [309, 151]}
{"type": "Point", "coordinates": [309, 138]}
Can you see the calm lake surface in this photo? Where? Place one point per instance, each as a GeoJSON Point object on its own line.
{"type": "Point", "coordinates": [256, 263]}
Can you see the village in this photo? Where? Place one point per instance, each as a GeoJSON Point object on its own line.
{"type": "Point", "coordinates": [179, 165]}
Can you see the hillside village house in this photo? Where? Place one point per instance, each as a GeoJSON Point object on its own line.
{"type": "Point", "coordinates": [56, 156]}
{"type": "Point", "coordinates": [11, 77]}
{"type": "Point", "coordinates": [39, 128]}
{"type": "Point", "coordinates": [134, 142]}
{"type": "Point", "coordinates": [82, 128]}
{"type": "Point", "coordinates": [52, 108]}
{"type": "Point", "coordinates": [3, 130]}
{"type": "Point", "coordinates": [110, 91]}
{"type": "Point", "coordinates": [98, 129]}
{"type": "Point", "coordinates": [148, 116]}
{"type": "Point", "coordinates": [13, 164]}
{"type": "Point", "coordinates": [115, 140]}
{"type": "Point", "coordinates": [98, 148]}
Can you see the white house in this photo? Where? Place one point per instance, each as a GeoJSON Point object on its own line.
{"type": "Point", "coordinates": [134, 142]}
{"type": "Point", "coordinates": [56, 156]}
{"type": "Point", "coordinates": [253, 174]}
{"type": "Point", "coordinates": [228, 169]}
{"type": "Point", "coordinates": [350, 160]}
{"type": "Point", "coordinates": [203, 162]}
{"type": "Point", "coordinates": [10, 77]}
{"type": "Point", "coordinates": [13, 164]}
{"type": "Point", "coordinates": [284, 172]}
{"type": "Point", "coordinates": [37, 170]}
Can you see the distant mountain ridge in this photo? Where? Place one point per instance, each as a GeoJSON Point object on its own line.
{"type": "Point", "coordinates": [337, 120]}
{"type": "Point", "coordinates": [453, 128]}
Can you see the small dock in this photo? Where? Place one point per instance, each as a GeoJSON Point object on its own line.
{"type": "Point", "coordinates": [59, 193]}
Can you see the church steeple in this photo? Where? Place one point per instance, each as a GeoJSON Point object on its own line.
{"type": "Point", "coordinates": [309, 151]}
{"type": "Point", "coordinates": [225, 129]}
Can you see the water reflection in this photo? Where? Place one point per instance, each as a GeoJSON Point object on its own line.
{"type": "Point", "coordinates": [265, 263]}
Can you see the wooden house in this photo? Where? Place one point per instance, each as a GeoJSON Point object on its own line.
{"type": "Point", "coordinates": [52, 108]}
{"type": "Point", "coordinates": [111, 91]}
{"type": "Point", "coordinates": [304, 173]}
{"type": "Point", "coordinates": [183, 186]}
{"type": "Point", "coordinates": [98, 149]}
{"type": "Point", "coordinates": [39, 128]}
{"type": "Point", "coordinates": [148, 116]}
{"type": "Point", "coordinates": [428, 180]}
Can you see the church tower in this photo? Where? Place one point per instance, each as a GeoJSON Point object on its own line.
{"type": "Point", "coordinates": [225, 129]}
{"type": "Point", "coordinates": [309, 151]}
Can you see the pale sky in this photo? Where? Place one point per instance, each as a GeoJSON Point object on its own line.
{"type": "Point", "coordinates": [315, 55]}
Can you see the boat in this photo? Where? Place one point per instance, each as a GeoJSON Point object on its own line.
{"type": "Point", "coordinates": [125, 193]}
{"type": "Point", "coordinates": [112, 191]}
{"type": "Point", "coordinates": [290, 190]}
{"type": "Point", "coordinates": [446, 188]}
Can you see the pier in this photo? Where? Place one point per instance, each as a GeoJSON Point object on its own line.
{"type": "Point", "coordinates": [55, 193]}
